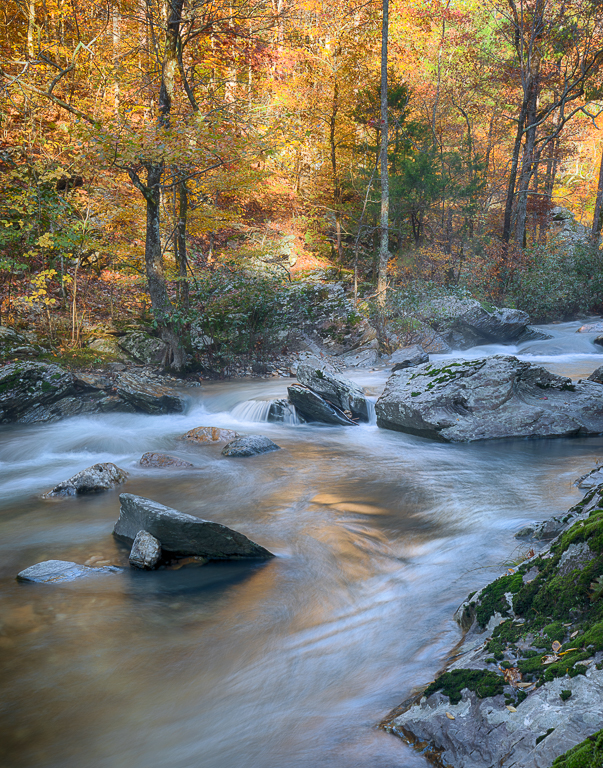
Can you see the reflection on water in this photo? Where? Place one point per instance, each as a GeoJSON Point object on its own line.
{"type": "Point", "coordinates": [379, 536]}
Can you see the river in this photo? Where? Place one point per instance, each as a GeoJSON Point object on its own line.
{"type": "Point", "coordinates": [283, 664]}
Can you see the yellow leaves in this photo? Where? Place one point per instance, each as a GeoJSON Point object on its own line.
{"type": "Point", "coordinates": [450, 716]}
{"type": "Point", "coordinates": [510, 708]}
{"type": "Point", "coordinates": [556, 646]}
{"type": "Point", "coordinates": [46, 241]}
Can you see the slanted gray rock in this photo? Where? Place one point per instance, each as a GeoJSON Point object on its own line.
{"type": "Point", "coordinates": [94, 479]}
{"type": "Point", "coordinates": [148, 397]}
{"type": "Point", "coordinates": [162, 461]}
{"type": "Point", "coordinates": [14, 344]}
{"type": "Point", "coordinates": [334, 388]}
{"type": "Point", "coordinates": [408, 357]}
{"type": "Point", "coordinates": [590, 479]}
{"type": "Point", "coordinates": [27, 385]}
{"type": "Point", "coordinates": [182, 534]}
{"type": "Point", "coordinates": [60, 571]}
{"type": "Point", "coordinates": [144, 348]}
{"type": "Point", "coordinates": [489, 398]}
{"type": "Point", "coordinates": [314, 408]}
{"type": "Point", "coordinates": [364, 357]}
{"type": "Point", "coordinates": [251, 445]}
{"type": "Point", "coordinates": [145, 552]}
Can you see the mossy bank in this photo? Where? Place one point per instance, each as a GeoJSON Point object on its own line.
{"type": "Point", "coordinates": [526, 689]}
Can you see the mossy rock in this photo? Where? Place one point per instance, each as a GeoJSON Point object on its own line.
{"type": "Point", "coordinates": [587, 754]}
{"type": "Point", "coordinates": [483, 682]}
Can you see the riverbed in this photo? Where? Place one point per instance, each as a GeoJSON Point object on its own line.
{"type": "Point", "coordinates": [285, 664]}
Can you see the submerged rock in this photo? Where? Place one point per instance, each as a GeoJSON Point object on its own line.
{"type": "Point", "coordinates": [489, 398]}
{"type": "Point", "coordinates": [334, 388]}
{"type": "Point", "coordinates": [148, 397]}
{"type": "Point", "coordinates": [94, 479]}
{"type": "Point", "coordinates": [251, 445]}
{"type": "Point", "coordinates": [162, 461]}
{"type": "Point", "coordinates": [57, 571]}
{"type": "Point", "coordinates": [314, 408]}
{"type": "Point", "coordinates": [205, 435]}
{"type": "Point", "coordinates": [182, 534]}
{"type": "Point", "coordinates": [145, 552]}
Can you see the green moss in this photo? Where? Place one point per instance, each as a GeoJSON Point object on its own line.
{"type": "Point", "coordinates": [46, 387]}
{"type": "Point", "coordinates": [492, 599]}
{"type": "Point", "coordinates": [565, 695]}
{"type": "Point", "coordinates": [555, 631]}
{"type": "Point", "coordinates": [483, 682]}
{"type": "Point", "coordinates": [587, 754]}
{"type": "Point", "coordinates": [415, 394]}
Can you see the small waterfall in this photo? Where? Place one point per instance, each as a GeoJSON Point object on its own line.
{"type": "Point", "coordinates": [252, 410]}
{"type": "Point", "coordinates": [280, 411]}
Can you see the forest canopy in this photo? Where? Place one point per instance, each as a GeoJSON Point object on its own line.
{"type": "Point", "coordinates": [203, 168]}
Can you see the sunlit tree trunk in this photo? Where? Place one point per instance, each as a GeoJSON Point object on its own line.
{"type": "Point", "coordinates": [598, 214]}
{"type": "Point", "coordinates": [384, 219]}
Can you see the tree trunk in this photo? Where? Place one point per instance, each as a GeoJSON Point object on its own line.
{"type": "Point", "coordinates": [506, 234]}
{"type": "Point", "coordinates": [527, 165]}
{"type": "Point", "coordinates": [384, 221]}
{"type": "Point", "coordinates": [598, 214]}
{"type": "Point", "coordinates": [180, 244]}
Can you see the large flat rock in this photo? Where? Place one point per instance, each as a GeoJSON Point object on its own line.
{"type": "Point", "coordinates": [148, 397]}
{"type": "Point", "coordinates": [183, 534]}
{"type": "Point", "coordinates": [489, 398]}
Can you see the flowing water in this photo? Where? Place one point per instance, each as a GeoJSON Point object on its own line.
{"type": "Point", "coordinates": [288, 663]}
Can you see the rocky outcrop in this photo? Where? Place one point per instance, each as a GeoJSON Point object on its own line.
{"type": "Point", "coordinates": [61, 571]}
{"type": "Point", "coordinates": [27, 387]}
{"type": "Point", "coordinates": [148, 397]}
{"type": "Point", "coordinates": [489, 398]}
{"type": "Point", "coordinates": [314, 408]}
{"type": "Point", "coordinates": [14, 344]}
{"type": "Point", "coordinates": [251, 445]}
{"type": "Point", "coordinates": [145, 552]}
{"type": "Point", "coordinates": [334, 388]}
{"type": "Point", "coordinates": [208, 435]}
{"type": "Point", "coordinates": [94, 479]}
{"type": "Point", "coordinates": [364, 357]}
{"type": "Point", "coordinates": [527, 682]}
{"type": "Point", "coordinates": [163, 461]}
{"type": "Point", "coordinates": [182, 534]}
{"type": "Point", "coordinates": [282, 411]}
{"type": "Point", "coordinates": [408, 357]}
{"type": "Point", "coordinates": [597, 375]}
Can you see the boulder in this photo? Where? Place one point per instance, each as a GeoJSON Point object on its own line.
{"type": "Point", "coordinates": [365, 357]}
{"type": "Point", "coordinates": [94, 479]}
{"type": "Point", "coordinates": [591, 328]}
{"type": "Point", "coordinates": [108, 346]}
{"type": "Point", "coordinates": [314, 408]}
{"type": "Point", "coordinates": [208, 435]}
{"type": "Point", "coordinates": [488, 398]}
{"type": "Point", "coordinates": [182, 534]}
{"type": "Point", "coordinates": [251, 445]}
{"type": "Point", "coordinates": [146, 396]}
{"type": "Point", "coordinates": [597, 375]}
{"type": "Point", "coordinates": [145, 552]}
{"type": "Point", "coordinates": [334, 388]}
{"type": "Point", "coordinates": [26, 385]}
{"type": "Point", "coordinates": [408, 357]}
{"type": "Point", "coordinates": [58, 571]}
{"type": "Point", "coordinates": [162, 461]}
{"type": "Point", "coordinates": [598, 341]}
{"type": "Point", "coordinates": [144, 348]}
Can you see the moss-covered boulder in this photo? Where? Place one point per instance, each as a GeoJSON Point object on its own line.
{"type": "Point", "coordinates": [29, 385]}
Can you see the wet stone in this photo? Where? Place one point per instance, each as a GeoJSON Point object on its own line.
{"type": "Point", "coordinates": [94, 479]}
{"type": "Point", "coordinates": [162, 461]}
{"type": "Point", "coordinates": [145, 552]}
{"type": "Point", "coordinates": [252, 445]}
{"type": "Point", "coordinates": [205, 435]}
{"type": "Point", "coordinates": [60, 571]}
